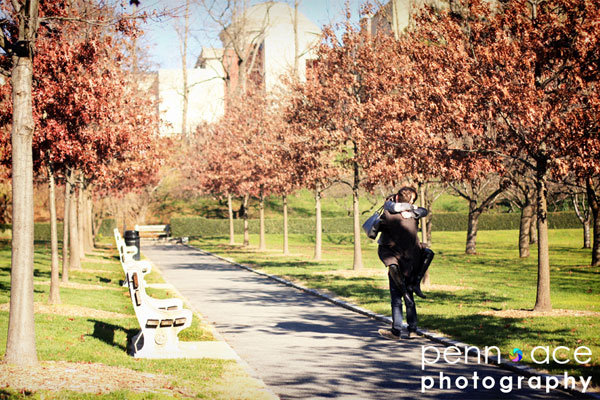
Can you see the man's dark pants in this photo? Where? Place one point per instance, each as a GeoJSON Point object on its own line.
{"type": "Point", "coordinates": [388, 256]}
{"type": "Point", "coordinates": [411, 310]}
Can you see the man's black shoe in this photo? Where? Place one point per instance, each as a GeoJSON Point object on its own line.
{"type": "Point", "coordinates": [408, 335]}
{"type": "Point", "coordinates": [417, 290]}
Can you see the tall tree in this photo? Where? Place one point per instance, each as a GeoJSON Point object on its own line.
{"type": "Point", "coordinates": [18, 42]}
{"type": "Point", "coordinates": [342, 104]}
{"type": "Point", "coordinates": [54, 296]}
{"type": "Point", "coordinates": [539, 108]}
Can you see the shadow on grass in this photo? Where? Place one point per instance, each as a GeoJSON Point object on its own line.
{"type": "Point", "coordinates": [41, 274]}
{"type": "Point", "coordinates": [466, 298]}
{"type": "Point", "coordinates": [281, 264]}
{"type": "Point", "coordinates": [6, 394]}
{"type": "Point", "coordinates": [481, 330]}
{"type": "Point", "coordinates": [106, 332]}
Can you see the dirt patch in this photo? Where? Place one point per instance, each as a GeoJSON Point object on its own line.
{"type": "Point", "coordinates": [531, 313]}
{"type": "Point", "coordinates": [444, 288]}
{"type": "Point", "coordinates": [94, 271]}
{"type": "Point", "coordinates": [70, 311]}
{"type": "Point", "coordinates": [83, 378]}
{"type": "Point", "coordinates": [97, 260]}
{"type": "Point", "coordinates": [75, 285]}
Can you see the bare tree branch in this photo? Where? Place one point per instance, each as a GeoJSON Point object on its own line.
{"type": "Point", "coordinates": [16, 5]}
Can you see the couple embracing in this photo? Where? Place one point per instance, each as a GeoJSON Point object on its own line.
{"type": "Point", "coordinates": [406, 258]}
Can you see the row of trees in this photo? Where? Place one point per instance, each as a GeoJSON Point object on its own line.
{"type": "Point", "coordinates": [480, 96]}
{"type": "Point", "coordinates": [72, 114]}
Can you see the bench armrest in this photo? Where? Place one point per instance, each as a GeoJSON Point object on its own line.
{"type": "Point", "coordinates": [144, 265]}
{"type": "Point", "coordinates": [130, 250]}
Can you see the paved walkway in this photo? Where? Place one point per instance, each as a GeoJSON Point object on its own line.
{"type": "Point", "coordinates": [304, 347]}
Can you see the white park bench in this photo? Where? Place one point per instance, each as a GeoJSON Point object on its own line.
{"type": "Point", "coordinates": [154, 231]}
{"type": "Point", "coordinates": [160, 320]}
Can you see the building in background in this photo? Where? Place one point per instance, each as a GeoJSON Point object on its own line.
{"type": "Point", "coordinates": [270, 28]}
{"type": "Point", "coordinates": [396, 15]}
{"type": "Point", "coordinates": [205, 99]}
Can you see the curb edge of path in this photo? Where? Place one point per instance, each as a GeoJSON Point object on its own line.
{"type": "Point", "coordinates": [446, 341]}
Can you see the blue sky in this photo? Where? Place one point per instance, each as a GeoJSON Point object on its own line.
{"type": "Point", "coordinates": [163, 43]}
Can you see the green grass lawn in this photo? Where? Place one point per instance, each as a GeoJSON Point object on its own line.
{"type": "Point", "coordinates": [465, 288]}
{"type": "Point", "coordinates": [91, 339]}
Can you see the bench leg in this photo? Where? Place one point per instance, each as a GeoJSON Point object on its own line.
{"type": "Point", "coordinates": [156, 343]}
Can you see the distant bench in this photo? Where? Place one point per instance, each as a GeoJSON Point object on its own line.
{"type": "Point", "coordinates": [154, 231]}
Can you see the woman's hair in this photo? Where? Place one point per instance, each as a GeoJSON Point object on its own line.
{"type": "Point", "coordinates": [406, 194]}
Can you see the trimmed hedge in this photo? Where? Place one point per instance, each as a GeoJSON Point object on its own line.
{"type": "Point", "coordinates": [41, 230]}
{"type": "Point", "coordinates": [496, 222]}
{"type": "Point", "coordinates": [198, 226]}
{"type": "Point", "coordinates": [205, 227]}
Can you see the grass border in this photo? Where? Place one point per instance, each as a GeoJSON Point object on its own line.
{"type": "Point", "coordinates": [444, 340]}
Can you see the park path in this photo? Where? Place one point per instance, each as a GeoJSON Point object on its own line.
{"type": "Point", "coordinates": [304, 347]}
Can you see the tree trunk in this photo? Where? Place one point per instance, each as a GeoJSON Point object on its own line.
{"type": "Point", "coordinates": [596, 243]}
{"type": "Point", "coordinates": [54, 297]}
{"type": "Point", "coordinates": [20, 343]}
{"type": "Point", "coordinates": [85, 239]}
{"type": "Point", "coordinates": [296, 43]}
{"type": "Point", "coordinates": [230, 213]}
{"type": "Point", "coordinates": [65, 242]}
{"type": "Point", "coordinates": [89, 221]}
{"type": "Point", "coordinates": [533, 233]}
{"type": "Point", "coordinates": [472, 229]}
{"type": "Point", "coordinates": [358, 264]}
{"type": "Point", "coordinates": [595, 206]}
{"type": "Point", "coordinates": [261, 208]}
{"type": "Point", "coordinates": [587, 242]}
{"type": "Point", "coordinates": [286, 249]}
{"type": "Point", "coordinates": [74, 249]}
{"type": "Point", "coordinates": [424, 236]}
{"type": "Point", "coordinates": [184, 117]}
{"type": "Point", "coordinates": [584, 216]}
{"type": "Point", "coordinates": [246, 231]}
{"type": "Point", "coordinates": [429, 222]}
{"type": "Point", "coordinates": [542, 301]}
{"type": "Point", "coordinates": [318, 225]}
{"type": "Point", "coordinates": [81, 219]}
{"type": "Point", "coordinates": [524, 229]}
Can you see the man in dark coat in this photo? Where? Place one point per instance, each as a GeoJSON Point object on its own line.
{"type": "Point", "coordinates": [400, 250]}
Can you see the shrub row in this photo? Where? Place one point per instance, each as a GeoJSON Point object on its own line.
{"type": "Point", "coordinates": [204, 227]}
{"type": "Point", "coordinates": [41, 230]}
{"type": "Point", "coordinates": [494, 222]}
{"type": "Point", "coordinates": [198, 226]}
